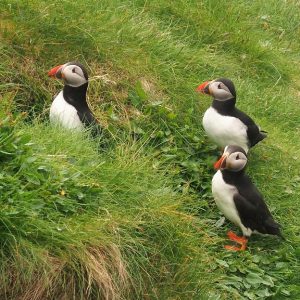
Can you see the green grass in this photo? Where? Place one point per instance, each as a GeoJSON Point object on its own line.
{"type": "Point", "coordinates": [89, 224]}
{"type": "Point", "coordinates": [152, 213]}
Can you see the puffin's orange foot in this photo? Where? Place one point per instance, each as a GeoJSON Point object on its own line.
{"type": "Point", "coordinates": [240, 240]}
{"type": "Point", "coordinates": [234, 248]}
{"type": "Point", "coordinates": [233, 237]}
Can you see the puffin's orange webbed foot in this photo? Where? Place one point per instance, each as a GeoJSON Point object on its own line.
{"type": "Point", "coordinates": [235, 238]}
{"type": "Point", "coordinates": [234, 248]}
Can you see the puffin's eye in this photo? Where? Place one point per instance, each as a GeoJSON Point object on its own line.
{"type": "Point", "coordinates": [219, 86]}
{"type": "Point", "coordinates": [73, 70]}
{"type": "Point", "coordinates": [237, 157]}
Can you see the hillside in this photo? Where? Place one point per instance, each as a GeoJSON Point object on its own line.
{"type": "Point", "coordinates": [136, 219]}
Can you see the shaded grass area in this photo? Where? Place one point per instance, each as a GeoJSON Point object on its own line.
{"type": "Point", "coordinates": [146, 59]}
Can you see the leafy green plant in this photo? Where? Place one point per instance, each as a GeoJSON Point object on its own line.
{"type": "Point", "coordinates": [176, 141]}
{"type": "Point", "coordinates": [253, 276]}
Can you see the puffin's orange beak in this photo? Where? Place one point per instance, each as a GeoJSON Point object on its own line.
{"type": "Point", "coordinates": [53, 72]}
{"type": "Point", "coordinates": [203, 88]}
{"type": "Point", "coordinates": [221, 163]}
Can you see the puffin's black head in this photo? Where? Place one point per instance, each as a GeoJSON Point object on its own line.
{"type": "Point", "coordinates": [72, 73]}
{"type": "Point", "coordinates": [234, 159]}
{"type": "Point", "coordinates": [221, 89]}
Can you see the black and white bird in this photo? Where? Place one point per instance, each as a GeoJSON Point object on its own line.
{"type": "Point", "coordinates": [69, 108]}
{"type": "Point", "coordinates": [223, 122]}
{"type": "Point", "coordinates": [239, 199]}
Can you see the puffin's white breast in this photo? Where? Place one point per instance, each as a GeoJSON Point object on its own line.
{"type": "Point", "coordinates": [225, 130]}
{"type": "Point", "coordinates": [223, 194]}
{"type": "Point", "coordinates": [63, 113]}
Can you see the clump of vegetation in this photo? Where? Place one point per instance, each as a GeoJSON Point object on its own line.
{"type": "Point", "coordinates": [79, 223]}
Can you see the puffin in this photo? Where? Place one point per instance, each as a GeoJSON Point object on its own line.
{"type": "Point", "coordinates": [239, 199]}
{"type": "Point", "coordinates": [223, 122]}
{"type": "Point", "coordinates": [69, 108]}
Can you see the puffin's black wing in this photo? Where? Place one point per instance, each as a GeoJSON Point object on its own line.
{"type": "Point", "coordinates": [254, 134]}
{"type": "Point", "coordinates": [88, 119]}
{"type": "Point", "coordinates": [255, 214]}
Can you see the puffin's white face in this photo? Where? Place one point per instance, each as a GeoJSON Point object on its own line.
{"type": "Point", "coordinates": [233, 159]}
{"type": "Point", "coordinates": [71, 73]}
{"type": "Point", "coordinates": [218, 89]}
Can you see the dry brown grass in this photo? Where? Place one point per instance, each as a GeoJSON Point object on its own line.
{"type": "Point", "coordinates": [103, 276]}
{"type": "Point", "coordinates": [101, 263]}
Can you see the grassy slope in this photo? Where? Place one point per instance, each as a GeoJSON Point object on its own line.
{"type": "Point", "coordinates": [92, 224]}
{"type": "Point", "coordinates": [171, 48]}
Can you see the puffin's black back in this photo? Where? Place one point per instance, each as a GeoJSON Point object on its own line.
{"type": "Point", "coordinates": [250, 205]}
{"type": "Point", "coordinates": [253, 132]}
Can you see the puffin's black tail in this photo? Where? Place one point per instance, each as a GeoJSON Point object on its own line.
{"type": "Point", "coordinates": [261, 136]}
{"type": "Point", "coordinates": [273, 228]}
